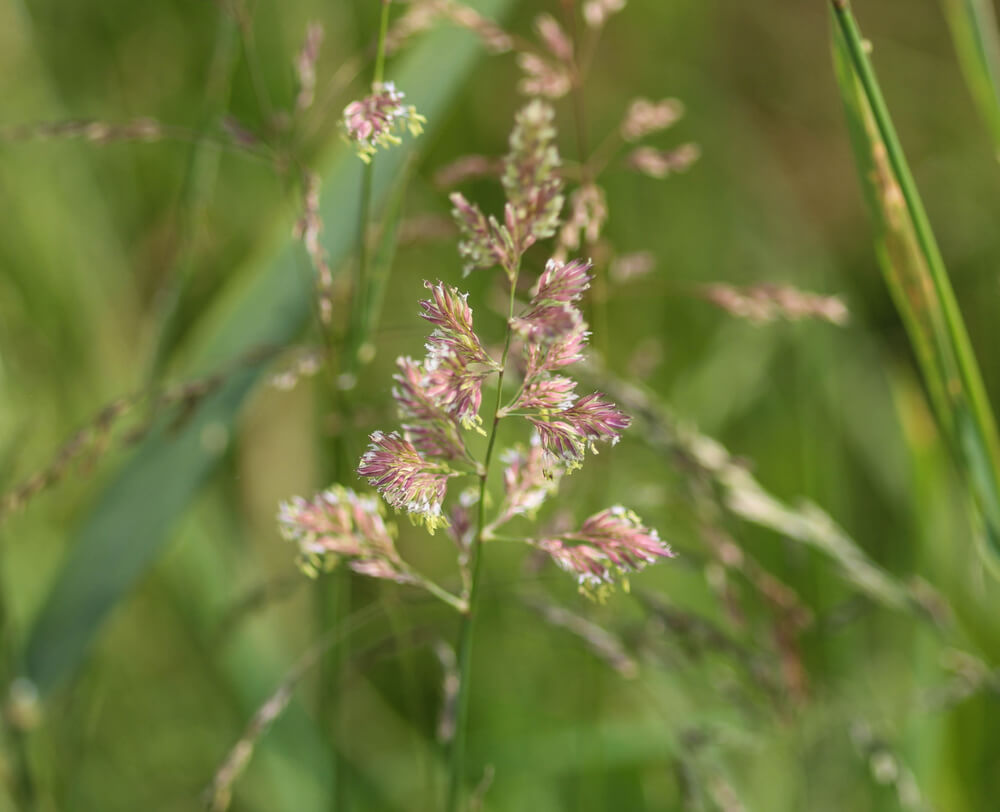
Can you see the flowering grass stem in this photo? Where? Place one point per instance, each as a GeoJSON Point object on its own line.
{"type": "Point", "coordinates": [469, 617]}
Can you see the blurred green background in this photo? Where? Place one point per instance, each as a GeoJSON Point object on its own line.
{"type": "Point", "coordinates": [147, 596]}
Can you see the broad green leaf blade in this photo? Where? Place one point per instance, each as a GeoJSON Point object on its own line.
{"type": "Point", "coordinates": [915, 273]}
{"type": "Point", "coordinates": [131, 520]}
{"type": "Point", "coordinates": [973, 26]}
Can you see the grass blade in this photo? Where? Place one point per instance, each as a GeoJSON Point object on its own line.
{"type": "Point", "coordinates": [918, 281]}
{"type": "Point", "coordinates": [973, 26]}
{"type": "Point", "coordinates": [130, 523]}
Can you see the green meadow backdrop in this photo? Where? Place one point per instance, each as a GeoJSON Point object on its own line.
{"type": "Point", "coordinates": [828, 636]}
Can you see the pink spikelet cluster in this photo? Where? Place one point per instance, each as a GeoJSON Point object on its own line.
{"type": "Point", "coordinates": [456, 364]}
{"type": "Point", "coordinates": [588, 211]}
{"type": "Point", "coordinates": [645, 117]}
{"type": "Point", "coordinates": [596, 12]}
{"type": "Point", "coordinates": [338, 525]}
{"type": "Point", "coordinates": [531, 177]}
{"type": "Point", "coordinates": [437, 399]}
{"type": "Point", "coordinates": [563, 282]}
{"type": "Point", "coordinates": [609, 544]}
{"type": "Point", "coordinates": [766, 303]}
{"type": "Point", "coordinates": [533, 186]}
{"type": "Point", "coordinates": [406, 480]}
{"type": "Point", "coordinates": [554, 334]}
{"type": "Point", "coordinates": [567, 434]}
{"type": "Point", "coordinates": [375, 120]}
{"type": "Point", "coordinates": [526, 482]}
{"type": "Point", "coordinates": [548, 71]}
{"type": "Point", "coordinates": [551, 393]}
{"type": "Point", "coordinates": [431, 429]}
{"type": "Point", "coordinates": [305, 66]}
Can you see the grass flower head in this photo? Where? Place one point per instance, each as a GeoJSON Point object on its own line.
{"type": "Point", "coordinates": [376, 120]}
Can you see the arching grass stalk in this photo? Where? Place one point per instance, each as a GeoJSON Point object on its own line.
{"type": "Point", "coordinates": [469, 618]}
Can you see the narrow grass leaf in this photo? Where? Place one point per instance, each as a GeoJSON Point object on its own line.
{"type": "Point", "coordinates": [918, 281]}
{"type": "Point", "coordinates": [974, 30]}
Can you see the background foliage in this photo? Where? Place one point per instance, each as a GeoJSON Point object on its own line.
{"type": "Point", "coordinates": [147, 594]}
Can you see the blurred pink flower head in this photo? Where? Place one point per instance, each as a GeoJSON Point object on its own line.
{"type": "Point", "coordinates": [375, 120]}
{"type": "Point", "coordinates": [596, 12]}
{"type": "Point", "coordinates": [645, 117]}
{"type": "Point", "coordinates": [551, 315]}
{"type": "Point", "coordinates": [567, 434]}
{"type": "Point", "coordinates": [456, 363]}
{"type": "Point", "coordinates": [431, 429]}
{"type": "Point", "coordinates": [547, 322]}
{"type": "Point", "coordinates": [611, 543]}
{"type": "Point", "coordinates": [458, 386]}
{"type": "Point", "coordinates": [563, 281]}
{"type": "Point", "coordinates": [526, 481]}
{"type": "Point", "coordinates": [548, 394]}
{"type": "Point", "coordinates": [410, 392]}
{"type": "Point", "coordinates": [339, 525]}
{"type": "Point", "coordinates": [531, 176]}
{"type": "Point", "coordinates": [484, 242]}
{"type": "Point", "coordinates": [406, 480]}
{"type": "Point", "coordinates": [566, 349]}
{"type": "Point", "coordinates": [533, 186]}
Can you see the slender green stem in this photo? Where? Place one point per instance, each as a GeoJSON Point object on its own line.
{"type": "Point", "coordinates": [491, 536]}
{"type": "Point", "coordinates": [359, 307]}
{"type": "Point", "coordinates": [604, 153]}
{"type": "Point", "coordinates": [469, 618]}
{"type": "Point", "coordinates": [338, 598]}
{"type": "Point", "coordinates": [496, 408]}
{"type": "Point", "coordinates": [22, 781]}
{"type": "Point", "coordinates": [383, 28]}
{"type": "Point", "coordinates": [453, 601]}
{"type": "Point", "coordinates": [245, 22]}
{"type": "Point", "coordinates": [20, 778]}
{"type": "Point", "coordinates": [413, 698]}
